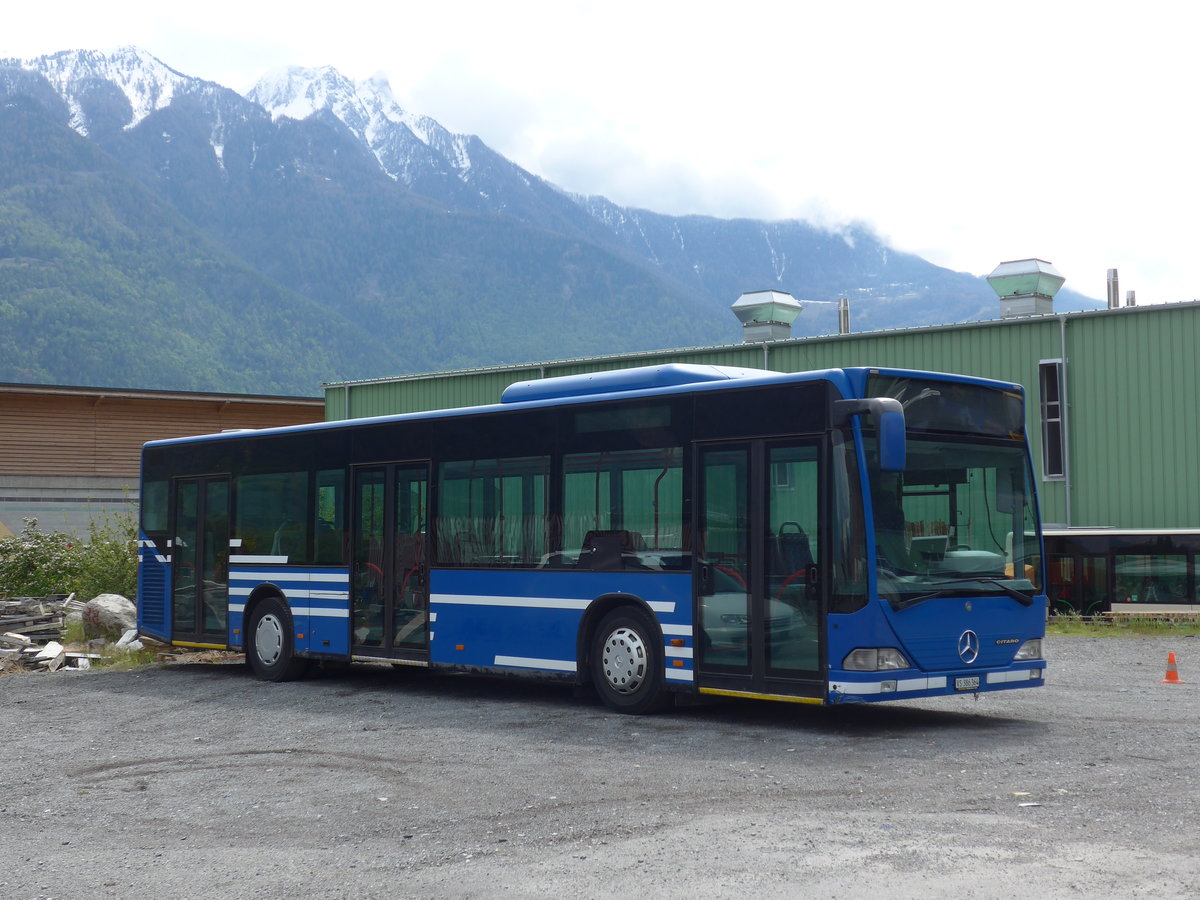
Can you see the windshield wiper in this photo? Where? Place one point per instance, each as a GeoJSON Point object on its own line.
{"type": "Point", "coordinates": [1020, 596]}
{"type": "Point", "coordinates": [898, 605]}
{"type": "Point", "coordinates": [902, 604]}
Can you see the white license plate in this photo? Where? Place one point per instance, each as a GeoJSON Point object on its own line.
{"type": "Point", "coordinates": [970, 683]}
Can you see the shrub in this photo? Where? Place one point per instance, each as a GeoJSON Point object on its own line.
{"type": "Point", "coordinates": [109, 563]}
{"type": "Point", "coordinates": [36, 563]}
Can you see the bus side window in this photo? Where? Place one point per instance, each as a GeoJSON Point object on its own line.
{"type": "Point", "coordinates": [329, 514]}
{"type": "Point", "coordinates": [492, 512]}
{"type": "Point", "coordinates": [623, 509]}
{"type": "Point", "coordinates": [272, 515]}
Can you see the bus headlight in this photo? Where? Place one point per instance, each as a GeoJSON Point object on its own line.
{"type": "Point", "coordinates": [873, 659]}
{"type": "Point", "coordinates": [1029, 650]}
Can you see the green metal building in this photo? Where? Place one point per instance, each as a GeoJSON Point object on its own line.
{"type": "Point", "coordinates": [1128, 381]}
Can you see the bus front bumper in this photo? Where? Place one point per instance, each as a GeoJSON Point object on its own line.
{"type": "Point", "coordinates": [864, 687]}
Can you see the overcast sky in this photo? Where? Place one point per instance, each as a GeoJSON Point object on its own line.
{"type": "Point", "coordinates": [968, 133]}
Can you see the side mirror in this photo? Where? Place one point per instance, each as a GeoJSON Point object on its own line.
{"type": "Point", "coordinates": [892, 448]}
{"type": "Point", "coordinates": [889, 421]}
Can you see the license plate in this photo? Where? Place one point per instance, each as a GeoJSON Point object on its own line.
{"type": "Point", "coordinates": [971, 683]}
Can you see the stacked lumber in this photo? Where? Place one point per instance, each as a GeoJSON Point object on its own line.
{"type": "Point", "coordinates": [39, 618]}
{"type": "Point", "coordinates": [31, 630]}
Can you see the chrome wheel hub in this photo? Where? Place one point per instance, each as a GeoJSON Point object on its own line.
{"type": "Point", "coordinates": [268, 639]}
{"type": "Point", "coordinates": [624, 657]}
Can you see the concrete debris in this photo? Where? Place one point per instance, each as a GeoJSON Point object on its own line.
{"type": "Point", "coordinates": [52, 656]}
{"type": "Point", "coordinates": [129, 641]}
{"type": "Point", "coordinates": [36, 618]}
{"type": "Point", "coordinates": [31, 635]}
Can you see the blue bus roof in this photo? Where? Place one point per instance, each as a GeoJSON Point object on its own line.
{"type": "Point", "coordinates": [621, 381]}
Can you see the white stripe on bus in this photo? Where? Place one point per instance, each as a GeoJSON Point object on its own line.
{"type": "Point", "coordinates": [1019, 675]}
{"type": "Point", "coordinates": [658, 606]}
{"type": "Point", "coordinates": [296, 594]}
{"type": "Point", "coordinates": [876, 687]}
{"type": "Point", "coordinates": [325, 611]}
{"type": "Point", "coordinates": [527, 662]}
{"type": "Point", "coordinates": [291, 575]}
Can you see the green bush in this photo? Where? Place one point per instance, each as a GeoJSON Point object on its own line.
{"type": "Point", "coordinates": [36, 563]}
{"type": "Point", "coordinates": [109, 558]}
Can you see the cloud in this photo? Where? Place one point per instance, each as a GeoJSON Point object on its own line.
{"type": "Point", "coordinates": [966, 133]}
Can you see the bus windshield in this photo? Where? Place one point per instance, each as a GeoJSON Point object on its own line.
{"type": "Point", "coordinates": [960, 520]}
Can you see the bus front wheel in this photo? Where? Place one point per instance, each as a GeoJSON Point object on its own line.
{"type": "Point", "coordinates": [271, 652]}
{"type": "Point", "coordinates": [627, 663]}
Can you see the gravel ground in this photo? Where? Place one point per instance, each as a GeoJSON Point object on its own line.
{"type": "Point", "coordinates": [197, 781]}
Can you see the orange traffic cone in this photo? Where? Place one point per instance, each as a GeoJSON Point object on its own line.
{"type": "Point", "coordinates": [1172, 672]}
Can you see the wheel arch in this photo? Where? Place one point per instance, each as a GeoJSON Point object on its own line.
{"type": "Point", "coordinates": [257, 596]}
{"type": "Point", "coordinates": [285, 662]}
{"type": "Point", "coordinates": [593, 615]}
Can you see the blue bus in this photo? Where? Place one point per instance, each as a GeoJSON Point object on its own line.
{"type": "Point", "coordinates": [838, 536]}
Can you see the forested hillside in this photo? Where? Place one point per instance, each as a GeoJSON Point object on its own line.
{"type": "Point", "coordinates": [161, 231]}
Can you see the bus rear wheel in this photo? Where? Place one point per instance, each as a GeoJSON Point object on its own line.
{"type": "Point", "coordinates": [627, 663]}
{"type": "Point", "coordinates": [270, 649]}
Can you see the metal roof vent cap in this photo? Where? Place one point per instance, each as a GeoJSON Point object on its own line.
{"type": "Point", "coordinates": [1026, 287]}
{"type": "Point", "coordinates": [766, 315]}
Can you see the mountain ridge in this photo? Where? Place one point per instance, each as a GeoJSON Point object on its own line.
{"type": "Point", "coordinates": [394, 245]}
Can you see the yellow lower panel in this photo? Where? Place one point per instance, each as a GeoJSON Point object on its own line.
{"type": "Point", "coordinates": [750, 695]}
{"type": "Point", "coordinates": [198, 646]}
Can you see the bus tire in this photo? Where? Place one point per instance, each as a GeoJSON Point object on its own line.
{"type": "Point", "coordinates": [627, 667]}
{"type": "Point", "coordinates": [270, 647]}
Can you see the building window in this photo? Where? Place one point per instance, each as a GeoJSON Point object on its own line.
{"type": "Point", "coordinates": [1053, 454]}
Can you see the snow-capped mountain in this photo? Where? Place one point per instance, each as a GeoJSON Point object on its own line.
{"type": "Point", "coordinates": [403, 142]}
{"type": "Point", "coordinates": [701, 253]}
{"type": "Point", "coordinates": [146, 83]}
{"type": "Point", "coordinates": [321, 202]}
{"type": "Point", "coordinates": [118, 89]}
{"type": "Point", "coordinates": [457, 170]}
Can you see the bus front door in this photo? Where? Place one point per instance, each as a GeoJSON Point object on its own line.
{"type": "Point", "coordinates": [760, 610]}
{"type": "Point", "coordinates": [390, 602]}
{"type": "Point", "coordinates": [200, 562]}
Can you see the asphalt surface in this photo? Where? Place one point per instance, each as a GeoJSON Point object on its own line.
{"type": "Point", "coordinates": [198, 781]}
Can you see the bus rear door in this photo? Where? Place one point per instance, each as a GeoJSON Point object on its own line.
{"type": "Point", "coordinates": [200, 562]}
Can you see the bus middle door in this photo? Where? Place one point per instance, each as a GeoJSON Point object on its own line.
{"type": "Point", "coordinates": [390, 571]}
{"type": "Point", "coordinates": [760, 608]}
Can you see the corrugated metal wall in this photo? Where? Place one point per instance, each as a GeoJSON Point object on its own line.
{"type": "Point", "coordinates": [1133, 422]}
{"type": "Point", "coordinates": [1135, 417]}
